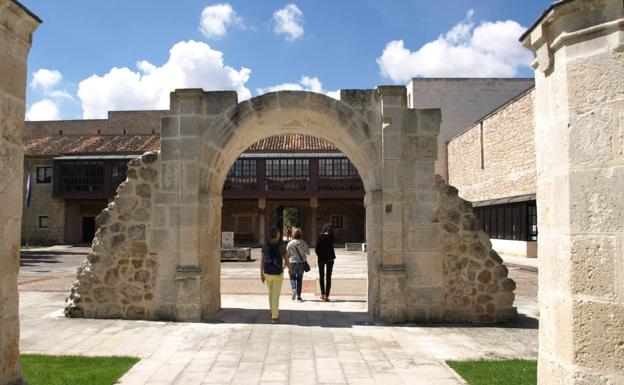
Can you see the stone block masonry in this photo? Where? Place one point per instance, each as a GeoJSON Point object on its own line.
{"type": "Point", "coordinates": [16, 27]}
{"type": "Point", "coordinates": [495, 158]}
{"type": "Point", "coordinates": [579, 125]}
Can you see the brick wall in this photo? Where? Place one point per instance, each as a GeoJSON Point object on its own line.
{"type": "Point", "coordinates": [507, 166]}
{"type": "Point", "coordinates": [118, 123]}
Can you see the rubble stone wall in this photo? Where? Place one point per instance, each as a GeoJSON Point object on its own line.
{"type": "Point", "coordinates": [476, 286]}
{"type": "Point", "coordinates": [118, 279]}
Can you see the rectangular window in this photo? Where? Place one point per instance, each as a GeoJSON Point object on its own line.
{"type": "Point", "coordinates": [44, 174]}
{"type": "Point", "coordinates": [338, 174]}
{"type": "Point", "coordinates": [82, 176]}
{"type": "Point", "coordinates": [287, 174]}
{"type": "Point", "coordinates": [242, 176]}
{"type": "Point", "coordinates": [532, 218]}
{"type": "Point", "coordinates": [513, 221]}
{"type": "Point", "coordinates": [119, 170]}
{"type": "Point", "coordinates": [337, 222]}
{"type": "Point", "coordinates": [43, 222]}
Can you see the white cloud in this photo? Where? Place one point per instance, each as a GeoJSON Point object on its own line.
{"type": "Point", "coordinates": [45, 78]}
{"type": "Point", "coordinates": [191, 64]}
{"type": "Point", "coordinates": [59, 94]}
{"type": "Point", "coordinates": [311, 84]}
{"type": "Point", "coordinates": [491, 49]}
{"type": "Point", "coordinates": [45, 109]}
{"type": "Point", "coordinates": [288, 21]}
{"type": "Point", "coordinates": [215, 20]}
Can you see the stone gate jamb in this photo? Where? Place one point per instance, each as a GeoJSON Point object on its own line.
{"type": "Point", "coordinates": [410, 272]}
{"type": "Point", "coordinates": [16, 27]}
{"type": "Point", "coordinates": [579, 135]}
{"type": "Point", "coordinates": [193, 215]}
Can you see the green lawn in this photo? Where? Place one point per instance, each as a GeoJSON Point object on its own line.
{"type": "Point", "coordinates": [507, 372]}
{"type": "Point", "coordinates": [74, 370]}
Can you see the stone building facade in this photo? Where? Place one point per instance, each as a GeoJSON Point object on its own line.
{"type": "Point", "coordinates": [17, 25]}
{"type": "Point", "coordinates": [312, 176]}
{"type": "Point", "coordinates": [492, 164]}
{"type": "Point", "coordinates": [462, 102]}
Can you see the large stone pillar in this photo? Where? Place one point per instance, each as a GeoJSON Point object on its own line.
{"type": "Point", "coordinates": [410, 274]}
{"type": "Point", "coordinates": [16, 27]}
{"type": "Point", "coordinates": [194, 215]}
{"type": "Point", "coordinates": [579, 136]}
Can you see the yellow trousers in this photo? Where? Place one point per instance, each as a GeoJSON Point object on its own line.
{"type": "Point", "coordinates": [274, 283]}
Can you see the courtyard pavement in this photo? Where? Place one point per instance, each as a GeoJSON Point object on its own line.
{"type": "Point", "coordinates": [316, 343]}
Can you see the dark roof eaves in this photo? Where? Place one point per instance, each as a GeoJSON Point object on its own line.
{"type": "Point", "coordinates": [542, 17]}
{"type": "Point", "coordinates": [28, 11]}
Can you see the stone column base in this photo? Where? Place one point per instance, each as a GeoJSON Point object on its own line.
{"type": "Point", "coordinates": [188, 294]}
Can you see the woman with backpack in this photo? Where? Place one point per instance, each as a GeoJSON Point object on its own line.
{"type": "Point", "coordinates": [274, 256]}
{"type": "Point", "coordinates": [297, 251]}
{"type": "Point", "coordinates": [325, 252]}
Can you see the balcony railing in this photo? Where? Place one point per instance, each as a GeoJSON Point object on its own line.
{"type": "Point", "coordinates": [293, 178]}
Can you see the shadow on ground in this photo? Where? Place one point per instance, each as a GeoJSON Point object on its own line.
{"type": "Point", "coordinates": [343, 319]}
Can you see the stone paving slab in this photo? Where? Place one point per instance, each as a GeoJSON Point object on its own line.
{"type": "Point", "coordinates": [316, 343]}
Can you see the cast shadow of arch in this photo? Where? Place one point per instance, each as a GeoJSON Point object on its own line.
{"type": "Point", "coordinates": [346, 319]}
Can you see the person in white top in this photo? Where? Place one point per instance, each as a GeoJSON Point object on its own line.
{"type": "Point", "coordinates": [298, 252]}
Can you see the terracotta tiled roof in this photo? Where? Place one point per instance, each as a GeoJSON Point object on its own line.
{"type": "Point", "coordinates": [95, 144]}
{"type": "Point", "coordinates": [137, 144]}
{"type": "Point", "coordinates": [292, 142]}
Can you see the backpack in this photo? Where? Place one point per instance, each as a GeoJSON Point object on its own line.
{"type": "Point", "coordinates": [272, 262]}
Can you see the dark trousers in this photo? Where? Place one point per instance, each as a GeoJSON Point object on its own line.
{"type": "Point", "coordinates": [325, 273]}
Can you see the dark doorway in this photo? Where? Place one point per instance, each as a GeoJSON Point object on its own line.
{"type": "Point", "coordinates": [88, 229]}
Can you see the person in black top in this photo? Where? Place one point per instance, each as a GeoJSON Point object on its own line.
{"type": "Point", "coordinates": [325, 252]}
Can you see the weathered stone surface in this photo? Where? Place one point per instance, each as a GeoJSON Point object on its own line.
{"type": "Point", "coordinates": [579, 85]}
{"type": "Point", "coordinates": [115, 279]}
{"type": "Point", "coordinates": [477, 273]}
{"type": "Point", "coordinates": [16, 28]}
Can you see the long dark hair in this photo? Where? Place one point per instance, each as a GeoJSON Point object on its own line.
{"type": "Point", "coordinates": [327, 228]}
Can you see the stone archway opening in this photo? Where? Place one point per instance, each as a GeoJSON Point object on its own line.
{"type": "Point", "coordinates": [293, 181]}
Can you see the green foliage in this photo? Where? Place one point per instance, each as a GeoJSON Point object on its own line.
{"type": "Point", "coordinates": [291, 217]}
{"type": "Point", "coordinates": [74, 370]}
{"type": "Point", "coordinates": [507, 372]}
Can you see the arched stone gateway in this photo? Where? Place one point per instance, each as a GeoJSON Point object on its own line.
{"type": "Point", "coordinates": [156, 254]}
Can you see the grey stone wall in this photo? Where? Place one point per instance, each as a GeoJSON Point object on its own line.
{"type": "Point", "coordinates": [118, 280]}
{"type": "Point", "coordinates": [42, 204]}
{"type": "Point", "coordinates": [495, 158]}
{"type": "Point", "coordinates": [16, 28]}
{"type": "Point", "coordinates": [476, 286]}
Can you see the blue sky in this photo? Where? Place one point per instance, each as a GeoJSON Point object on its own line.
{"type": "Point", "coordinates": [85, 57]}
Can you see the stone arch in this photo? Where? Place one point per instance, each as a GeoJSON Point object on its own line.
{"type": "Point", "coordinates": [156, 254]}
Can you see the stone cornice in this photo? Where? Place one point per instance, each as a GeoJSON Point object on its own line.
{"type": "Point", "coordinates": [18, 20]}
{"type": "Point", "coordinates": [569, 21]}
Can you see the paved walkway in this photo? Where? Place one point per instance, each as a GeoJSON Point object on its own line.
{"type": "Point", "coordinates": [317, 342]}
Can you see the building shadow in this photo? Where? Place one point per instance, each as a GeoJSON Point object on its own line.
{"type": "Point", "coordinates": [344, 319]}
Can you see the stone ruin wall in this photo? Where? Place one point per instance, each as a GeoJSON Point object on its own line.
{"type": "Point", "coordinates": [118, 279]}
{"type": "Point", "coordinates": [477, 288]}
